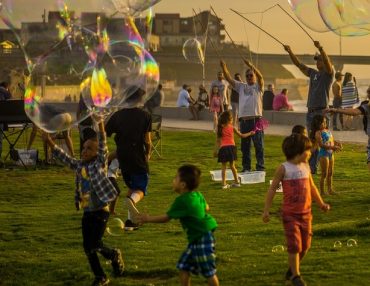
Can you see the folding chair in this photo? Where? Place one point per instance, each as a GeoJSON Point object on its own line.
{"type": "Point", "coordinates": [157, 134]}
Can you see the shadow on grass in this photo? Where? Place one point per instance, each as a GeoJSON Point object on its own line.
{"type": "Point", "coordinates": [155, 273]}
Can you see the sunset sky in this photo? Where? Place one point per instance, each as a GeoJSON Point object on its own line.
{"type": "Point", "coordinates": [275, 21]}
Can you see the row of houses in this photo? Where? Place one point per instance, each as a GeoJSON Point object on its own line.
{"type": "Point", "coordinates": [168, 30]}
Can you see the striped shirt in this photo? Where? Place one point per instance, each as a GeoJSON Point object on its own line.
{"type": "Point", "coordinates": [100, 184]}
{"type": "Point", "coordinates": [349, 95]}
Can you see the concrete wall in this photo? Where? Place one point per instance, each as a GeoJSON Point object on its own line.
{"type": "Point", "coordinates": [274, 117]}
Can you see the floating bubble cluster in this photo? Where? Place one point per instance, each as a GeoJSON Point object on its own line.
{"type": "Point", "coordinates": [343, 17]}
{"type": "Point", "coordinates": [83, 55]}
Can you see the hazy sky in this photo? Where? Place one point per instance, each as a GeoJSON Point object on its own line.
{"type": "Point", "coordinates": [274, 21]}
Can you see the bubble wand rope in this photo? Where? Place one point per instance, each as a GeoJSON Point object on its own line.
{"type": "Point", "coordinates": [231, 39]}
{"type": "Point", "coordinates": [210, 39]}
{"type": "Point", "coordinates": [304, 30]}
{"type": "Point", "coordinates": [257, 27]}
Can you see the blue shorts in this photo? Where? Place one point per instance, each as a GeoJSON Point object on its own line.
{"type": "Point", "coordinates": [136, 181]}
{"type": "Point", "coordinates": [199, 257]}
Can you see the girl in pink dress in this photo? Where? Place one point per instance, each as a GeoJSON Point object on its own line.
{"type": "Point", "coordinates": [216, 105]}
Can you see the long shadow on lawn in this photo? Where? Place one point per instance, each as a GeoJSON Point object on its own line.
{"type": "Point", "coordinates": [156, 273]}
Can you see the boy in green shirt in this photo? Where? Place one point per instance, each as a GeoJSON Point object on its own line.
{"type": "Point", "coordinates": [191, 208]}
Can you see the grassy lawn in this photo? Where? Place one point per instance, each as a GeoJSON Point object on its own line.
{"type": "Point", "coordinates": [41, 243]}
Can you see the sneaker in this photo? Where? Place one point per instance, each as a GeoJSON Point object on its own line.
{"type": "Point", "coordinates": [235, 185]}
{"type": "Point", "coordinates": [117, 263]}
{"type": "Point", "coordinates": [226, 187]}
{"type": "Point", "coordinates": [288, 274]}
{"type": "Point", "coordinates": [130, 226]}
{"type": "Point", "coordinates": [132, 208]}
{"type": "Point", "coordinates": [298, 281]}
{"type": "Point", "coordinates": [100, 281]}
{"type": "Point", "coordinates": [245, 170]}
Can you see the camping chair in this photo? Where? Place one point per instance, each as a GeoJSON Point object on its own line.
{"type": "Point", "coordinates": [157, 134]}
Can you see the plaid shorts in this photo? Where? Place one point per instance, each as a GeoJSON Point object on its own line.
{"type": "Point", "coordinates": [199, 257]}
{"type": "Point", "coordinates": [298, 232]}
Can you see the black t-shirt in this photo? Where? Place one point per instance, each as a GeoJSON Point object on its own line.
{"type": "Point", "coordinates": [267, 100]}
{"type": "Point", "coordinates": [130, 126]}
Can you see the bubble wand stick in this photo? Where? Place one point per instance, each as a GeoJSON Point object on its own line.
{"type": "Point", "coordinates": [257, 27]}
{"type": "Point", "coordinates": [304, 30]}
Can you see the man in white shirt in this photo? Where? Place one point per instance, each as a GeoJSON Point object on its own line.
{"type": "Point", "coordinates": [250, 112]}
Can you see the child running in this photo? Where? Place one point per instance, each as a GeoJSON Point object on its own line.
{"type": "Point", "coordinates": [191, 209]}
{"type": "Point", "coordinates": [298, 190]}
{"type": "Point", "coordinates": [226, 146]}
{"type": "Point", "coordinates": [96, 193]}
{"type": "Point", "coordinates": [324, 140]}
{"type": "Point", "coordinates": [216, 105]}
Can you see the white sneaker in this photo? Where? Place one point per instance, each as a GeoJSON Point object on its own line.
{"type": "Point", "coordinates": [132, 209]}
{"type": "Point", "coordinates": [226, 187]}
{"type": "Point", "coordinates": [236, 185]}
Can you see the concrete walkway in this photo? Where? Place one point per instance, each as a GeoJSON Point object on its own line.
{"type": "Point", "coordinates": [357, 136]}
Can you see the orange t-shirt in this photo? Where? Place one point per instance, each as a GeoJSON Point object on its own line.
{"type": "Point", "coordinates": [227, 138]}
{"type": "Point", "coordinates": [296, 189]}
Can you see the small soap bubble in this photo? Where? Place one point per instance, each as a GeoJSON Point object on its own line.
{"type": "Point", "coordinates": [115, 227]}
{"type": "Point", "coordinates": [337, 244]}
{"type": "Point", "coordinates": [278, 248]}
{"type": "Point", "coordinates": [351, 242]}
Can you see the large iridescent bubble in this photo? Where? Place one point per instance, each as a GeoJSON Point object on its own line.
{"type": "Point", "coordinates": [192, 51]}
{"type": "Point", "coordinates": [343, 17]}
{"type": "Point", "coordinates": [51, 88]}
{"type": "Point", "coordinates": [111, 81]}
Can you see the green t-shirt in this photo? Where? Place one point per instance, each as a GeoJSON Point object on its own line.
{"type": "Point", "coordinates": [190, 208]}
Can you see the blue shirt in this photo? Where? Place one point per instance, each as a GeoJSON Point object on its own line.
{"type": "Point", "coordinates": [183, 98]}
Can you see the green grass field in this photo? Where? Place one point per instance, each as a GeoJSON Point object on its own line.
{"type": "Point", "coordinates": [40, 234]}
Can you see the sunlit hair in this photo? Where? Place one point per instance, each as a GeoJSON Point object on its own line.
{"type": "Point", "coordinates": [295, 144]}
{"type": "Point", "coordinates": [190, 175]}
{"type": "Point", "coordinates": [316, 125]}
{"type": "Point", "coordinates": [225, 118]}
{"type": "Point", "coordinates": [347, 78]}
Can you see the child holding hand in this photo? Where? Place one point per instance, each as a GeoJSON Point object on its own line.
{"type": "Point", "coordinates": [191, 209]}
{"type": "Point", "coordinates": [298, 190]}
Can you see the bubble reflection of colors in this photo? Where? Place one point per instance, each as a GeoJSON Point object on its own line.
{"type": "Point", "coordinates": [101, 91]}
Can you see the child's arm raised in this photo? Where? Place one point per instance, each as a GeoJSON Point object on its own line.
{"type": "Point", "coordinates": [102, 138]}
{"type": "Point", "coordinates": [243, 135]}
{"type": "Point", "coordinates": [316, 196]}
{"type": "Point", "coordinates": [279, 175]}
{"type": "Point", "coordinates": [144, 218]}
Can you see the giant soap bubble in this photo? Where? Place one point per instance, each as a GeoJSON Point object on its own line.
{"type": "Point", "coordinates": [345, 17]}
{"type": "Point", "coordinates": [112, 79]}
{"type": "Point", "coordinates": [192, 51]}
{"type": "Point", "coordinates": [50, 84]}
{"type": "Point", "coordinates": [131, 7]}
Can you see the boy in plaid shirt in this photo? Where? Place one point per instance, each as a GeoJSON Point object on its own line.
{"type": "Point", "coordinates": [191, 209]}
{"type": "Point", "coordinates": [96, 192]}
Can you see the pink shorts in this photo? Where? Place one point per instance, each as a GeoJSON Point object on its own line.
{"type": "Point", "coordinates": [298, 232]}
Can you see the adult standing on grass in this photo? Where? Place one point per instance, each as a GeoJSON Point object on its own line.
{"type": "Point", "coordinates": [250, 112]}
{"type": "Point", "coordinates": [132, 127]}
{"type": "Point", "coordinates": [319, 88]}
{"type": "Point", "coordinates": [363, 109]}
{"type": "Point", "coordinates": [191, 209]}
{"type": "Point", "coordinates": [337, 100]}
{"type": "Point", "coordinates": [96, 193]}
{"type": "Point", "coordinates": [349, 97]}
{"type": "Point", "coordinates": [299, 190]}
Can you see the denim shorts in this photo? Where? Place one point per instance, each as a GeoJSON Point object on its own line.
{"type": "Point", "coordinates": [136, 181]}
